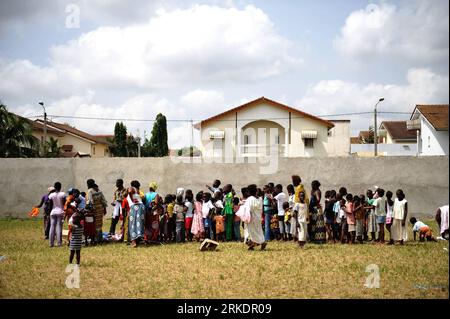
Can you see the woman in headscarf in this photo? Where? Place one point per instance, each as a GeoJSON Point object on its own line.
{"type": "Point", "coordinates": [96, 202]}
{"type": "Point", "coordinates": [136, 218]}
{"type": "Point", "coordinates": [150, 204]}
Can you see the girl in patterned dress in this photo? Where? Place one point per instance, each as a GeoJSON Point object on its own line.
{"type": "Point", "coordinates": [318, 234]}
{"type": "Point", "coordinates": [76, 236]}
{"type": "Point", "coordinates": [197, 229]}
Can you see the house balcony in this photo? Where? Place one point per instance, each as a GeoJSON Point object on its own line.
{"type": "Point", "coordinates": [263, 150]}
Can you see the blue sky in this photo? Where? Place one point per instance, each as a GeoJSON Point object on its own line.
{"type": "Point", "coordinates": [193, 59]}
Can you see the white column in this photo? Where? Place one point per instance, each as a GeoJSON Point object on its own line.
{"type": "Point", "coordinates": [286, 142]}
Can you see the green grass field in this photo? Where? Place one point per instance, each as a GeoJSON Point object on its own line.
{"type": "Point", "coordinates": [30, 269]}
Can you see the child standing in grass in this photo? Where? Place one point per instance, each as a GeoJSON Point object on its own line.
{"type": "Point", "coordinates": [236, 220]}
{"type": "Point", "coordinates": [329, 215]}
{"type": "Point", "coordinates": [291, 200]}
{"type": "Point", "coordinates": [380, 213]}
{"type": "Point", "coordinates": [344, 224]}
{"type": "Point", "coordinates": [207, 207]}
{"type": "Point", "coordinates": [76, 239]}
{"type": "Point", "coordinates": [198, 230]}
{"type": "Point", "coordinates": [287, 219]}
{"type": "Point", "coordinates": [338, 221]}
{"type": "Point", "coordinates": [180, 210]}
{"type": "Point", "coordinates": [280, 198]}
{"type": "Point", "coordinates": [301, 214]}
{"type": "Point", "coordinates": [275, 227]}
{"type": "Point", "coordinates": [350, 218]}
{"type": "Point", "coordinates": [389, 212]}
{"type": "Point", "coordinates": [168, 218]}
{"type": "Point", "coordinates": [220, 228]}
{"type": "Point", "coordinates": [189, 203]}
{"type": "Point", "coordinates": [359, 212]}
{"type": "Point", "coordinates": [398, 228]}
{"type": "Point", "coordinates": [370, 214]}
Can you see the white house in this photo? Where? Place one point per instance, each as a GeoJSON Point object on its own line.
{"type": "Point", "coordinates": [432, 123]}
{"type": "Point", "coordinates": [263, 127]}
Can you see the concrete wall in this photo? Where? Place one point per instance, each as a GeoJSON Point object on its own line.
{"type": "Point", "coordinates": [367, 150]}
{"type": "Point", "coordinates": [423, 179]}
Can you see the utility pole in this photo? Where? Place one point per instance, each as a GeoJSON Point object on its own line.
{"type": "Point", "coordinates": [375, 137]}
{"type": "Point", "coordinates": [45, 129]}
{"type": "Point", "coordinates": [139, 143]}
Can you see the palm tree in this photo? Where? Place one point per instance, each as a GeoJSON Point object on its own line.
{"type": "Point", "coordinates": [53, 149]}
{"type": "Point", "coordinates": [16, 139]}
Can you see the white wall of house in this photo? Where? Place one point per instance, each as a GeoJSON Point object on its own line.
{"type": "Point", "coordinates": [339, 139]}
{"type": "Point", "coordinates": [432, 142]}
{"type": "Point", "coordinates": [250, 117]}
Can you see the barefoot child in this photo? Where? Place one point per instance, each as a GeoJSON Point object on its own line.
{"type": "Point", "coordinates": [398, 228]}
{"type": "Point", "coordinates": [350, 218]}
{"type": "Point", "coordinates": [389, 212]}
{"type": "Point", "coordinates": [380, 213]}
{"type": "Point", "coordinates": [180, 211]}
{"type": "Point", "coordinates": [423, 230]}
{"type": "Point", "coordinates": [76, 236]}
{"type": "Point", "coordinates": [197, 229]}
{"type": "Point", "coordinates": [236, 220]}
{"type": "Point", "coordinates": [189, 203]}
{"type": "Point", "coordinates": [358, 209]}
{"type": "Point", "coordinates": [301, 213]}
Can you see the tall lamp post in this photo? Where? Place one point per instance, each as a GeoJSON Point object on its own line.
{"type": "Point", "coordinates": [45, 128]}
{"type": "Point", "coordinates": [375, 137]}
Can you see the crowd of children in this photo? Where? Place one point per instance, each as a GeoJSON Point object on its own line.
{"type": "Point", "coordinates": [340, 217]}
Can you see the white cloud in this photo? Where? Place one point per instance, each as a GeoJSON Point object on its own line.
{"type": "Point", "coordinates": [337, 97]}
{"type": "Point", "coordinates": [19, 14]}
{"type": "Point", "coordinates": [140, 107]}
{"type": "Point", "coordinates": [417, 31]}
{"type": "Point", "coordinates": [196, 45]}
{"type": "Point", "coordinates": [203, 103]}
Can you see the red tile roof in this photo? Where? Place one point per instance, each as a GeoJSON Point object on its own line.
{"type": "Point", "coordinates": [268, 101]}
{"type": "Point", "coordinates": [72, 130]}
{"type": "Point", "coordinates": [436, 114]}
{"type": "Point", "coordinates": [398, 130]}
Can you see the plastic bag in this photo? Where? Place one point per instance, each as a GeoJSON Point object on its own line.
{"type": "Point", "coordinates": [244, 214]}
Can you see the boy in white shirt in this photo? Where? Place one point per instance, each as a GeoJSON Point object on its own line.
{"type": "Point", "coordinates": [280, 197]}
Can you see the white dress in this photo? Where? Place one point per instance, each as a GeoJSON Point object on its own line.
{"type": "Point", "coordinates": [302, 215]}
{"type": "Point", "coordinates": [397, 230]}
{"type": "Point", "coordinates": [293, 220]}
{"type": "Point", "coordinates": [254, 228]}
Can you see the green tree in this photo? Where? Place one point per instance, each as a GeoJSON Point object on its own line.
{"type": "Point", "coordinates": [157, 145]}
{"type": "Point", "coordinates": [53, 149]}
{"type": "Point", "coordinates": [371, 138]}
{"type": "Point", "coordinates": [16, 138]}
{"type": "Point", "coordinates": [119, 147]}
{"type": "Point", "coordinates": [132, 146]}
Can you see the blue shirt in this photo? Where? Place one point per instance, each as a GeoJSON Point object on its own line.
{"type": "Point", "coordinates": [82, 204]}
{"type": "Point", "coordinates": [149, 197]}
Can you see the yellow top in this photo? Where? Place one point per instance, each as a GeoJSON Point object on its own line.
{"type": "Point", "coordinates": [170, 210]}
{"type": "Point", "coordinates": [299, 189]}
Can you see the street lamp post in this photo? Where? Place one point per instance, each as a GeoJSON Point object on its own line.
{"type": "Point", "coordinates": [375, 137]}
{"type": "Point", "coordinates": [45, 128]}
